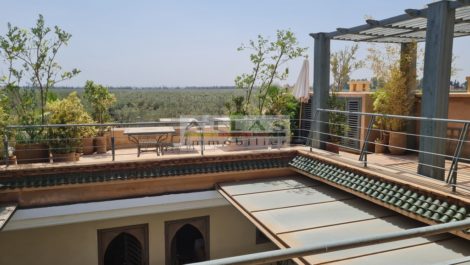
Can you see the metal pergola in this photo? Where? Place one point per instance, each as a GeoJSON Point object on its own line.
{"type": "Point", "coordinates": [436, 26]}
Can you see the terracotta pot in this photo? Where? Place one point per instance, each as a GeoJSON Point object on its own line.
{"type": "Point", "coordinates": [108, 142]}
{"type": "Point", "coordinates": [67, 157]}
{"type": "Point", "coordinates": [332, 147]}
{"type": "Point", "coordinates": [11, 161]}
{"type": "Point", "coordinates": [100, 144]}
{"type": "Point", "coordinates": [379, 148]}
{"type": "Point", "coordinates": [32, 153]}
{"type": "Point", "coordinates": [87, 146]}
{"type": "Point", "coordinates": [397, 140]}
{"type": "Point", "coordinates": [386, 139]}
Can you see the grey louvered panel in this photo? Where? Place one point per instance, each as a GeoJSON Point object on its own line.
{"type": "Point", "coordinates": [353, 121]}
{"type": "Point", "coordinates": [306, 121]}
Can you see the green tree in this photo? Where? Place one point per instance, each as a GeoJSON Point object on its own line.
{"type": "Point", "coordinates": [268, 59]}
{"type": "Point", "coordinates": [100, 100]}
{"type": "Point", "coordinates": [393, 96]}
{"type": "Point", "coordinates": [32, 54]}
{"type": "Point", "coordinates": [337, 125]}
{"type": "Point", "coordinates": [343, 63]}
{"type": "Point", "coordinates": [281, 102]}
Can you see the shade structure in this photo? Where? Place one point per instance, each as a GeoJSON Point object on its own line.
{"type": "Point", "coordinates": [296, 211]}
{"type": "Point", "coordinates": [301, 88]}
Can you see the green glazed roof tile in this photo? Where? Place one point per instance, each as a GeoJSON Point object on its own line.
{"type": "Point", "coordinates": [462, 210]}
{"type": "Point", "coordinates": [420, 211]}
{"type": "Point", "coordinates": [398, 203]}
{"type": "Point", "coordinates": [429, 200]}
{"type": "Point", "coordinates": [428, 214]}
{"type": "Point", "coordinates": [450, 212]}
{"type": "Point", "coordinates": [459, 216]}
{"type": "Point", "coordinates": [425, 205]}
{"type": "Point", "coordinates": [436, 217]}
{"type": "Point", "coordinates": [441, 210]}
{"type": "Point", "coordinates": [406, 206]}
{"type": "Point", "coordinates": [413, 208]}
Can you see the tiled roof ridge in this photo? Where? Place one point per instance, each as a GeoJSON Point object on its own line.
{"type": "Point", "coordinates": [413, 201]}
{"type": "Point", "coordinates": [152, 171]}
{"type": "Point", "coordinates": [21, 172]}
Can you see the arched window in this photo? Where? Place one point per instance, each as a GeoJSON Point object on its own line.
{"type": "Point", "coordinates": [187, 240]}
{"type": "Point", "coordinates": [125, 249]}
{"type": "Point", "coordinates": [187, 246]}
{"type": "Point", "coordinates": [123, 245]}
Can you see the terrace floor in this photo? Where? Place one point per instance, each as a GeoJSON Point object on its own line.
{"type": "Point", "coordinates": [401, 167]}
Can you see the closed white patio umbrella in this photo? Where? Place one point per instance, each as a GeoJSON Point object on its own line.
{"type": "Point", "coordinates": [301, 87]}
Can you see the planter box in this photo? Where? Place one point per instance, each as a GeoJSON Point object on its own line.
{"type": "Point", "coordinates": [100, 144]}
{"type": "Point", "coordinates": [32, 153]}
{"type": "Point", "coordinates": [87, 146]}
{"type": "Point", "coordinates": [334, 148]}
{"type": "Point", "coordinates": [67, 157]}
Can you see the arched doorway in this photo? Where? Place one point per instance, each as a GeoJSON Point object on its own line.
{"type": "Point", "coordinates": [123, 245]}
{"type": "Point", "coordinates": [124, 249]}
{"type": "Point", "coordinates": [187, 240]}
{"type": "Point", "coordinates": [187, 246]}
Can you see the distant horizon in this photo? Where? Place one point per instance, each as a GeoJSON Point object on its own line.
{"type": "Point", "coordinates": [194, 43]}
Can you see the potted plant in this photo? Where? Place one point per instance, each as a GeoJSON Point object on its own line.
{"type": "Point", "coordinates": [379, 146]}
{"type": "Point", "coordinates": [31, 147]}
{"type": "Point", "coordinates": [337, 123]}
{"type": "Point", "coordinates": [65, 140]}
{"type": "Point", "coordinates": [100, 100]}
{"type": "Point", "coordinates": [4, 153]}
{"type": "Point", "coordinates": [395, 99]}
{"type": "Point", "coordinates": [30, 144]}
{"type": "Point", "coordinates": [87, 145]}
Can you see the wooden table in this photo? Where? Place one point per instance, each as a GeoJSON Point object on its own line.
{"type": "Point", "coordinates": [148, 138]}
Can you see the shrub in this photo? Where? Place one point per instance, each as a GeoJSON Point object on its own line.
{"type": "Point", "coordinates": [68, 111]}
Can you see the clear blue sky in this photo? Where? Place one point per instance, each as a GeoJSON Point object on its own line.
{"type": "Point", "coordinates": [185, 43]}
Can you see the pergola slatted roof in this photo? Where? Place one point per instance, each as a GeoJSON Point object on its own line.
{"type": "Point", "coordinates": [405, 28]}
{"type": "Point", "coordinates": [436, 25]}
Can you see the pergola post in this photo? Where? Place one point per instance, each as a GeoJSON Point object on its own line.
{"type": "Point", "coordinates": [321, 89]}
{"type": "Point", "coordinates": [408, 56]}
{"type": "Point", "coordinates": [435, 99]}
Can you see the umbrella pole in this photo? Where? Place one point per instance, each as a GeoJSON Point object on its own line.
{"type": "Point", "coordinates": [300, 117]}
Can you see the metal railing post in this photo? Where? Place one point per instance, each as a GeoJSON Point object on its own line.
{"type": "Point", "coordinates": [113, 144]}
{"type": "Point", "coordinates": [363, 155]}
{"type": "Point", "coordinates": [452, 176]}
{"type": "Point", "coordinates": [202, 139]}
{"type": "Point", "coordinates": [5, 149]}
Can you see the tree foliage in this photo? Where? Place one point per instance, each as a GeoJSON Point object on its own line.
{"type": "Point", "coordinates": [100, 100]}
{"type": "Point", "coordinates": [343, 63]}
{"type": "Point", "coordinates": [68, 110]}
{"type": "Point", "coordinates": [135, 105]}
{"type": "Point", "coordinates": [393, 95]}
{"type": "Point", "coordinates": [268, 59]}
{"type": "Point", "coordinates": [31, 54]}
{"type": "Point", "coordinates": [337, 122]}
